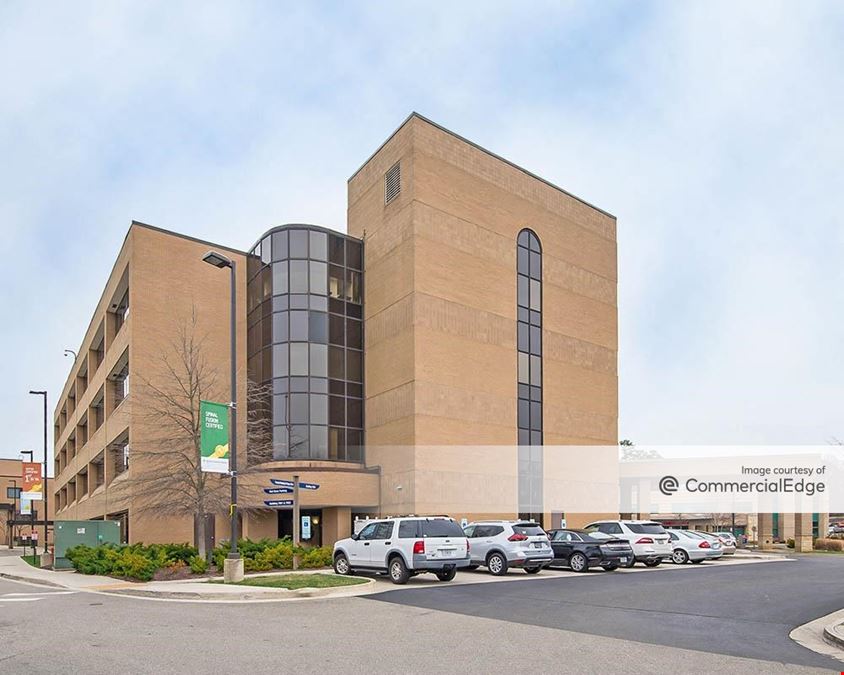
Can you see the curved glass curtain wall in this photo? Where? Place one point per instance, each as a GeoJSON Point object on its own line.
{"type": "Point", "coordinates": [305, 340]}
{"type": "Point", "coordinates": [529, 344]}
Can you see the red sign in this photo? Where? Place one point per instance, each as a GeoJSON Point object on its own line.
{"type": "Point", "coordinates": [33, 487]}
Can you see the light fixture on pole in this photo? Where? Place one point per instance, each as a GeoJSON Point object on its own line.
{"type": "Point", "coordinates": [220, 261]}
{"type": "Point", "coordinates": [70, 351]}
{"type": "Point", "coordinates": [44, 394]}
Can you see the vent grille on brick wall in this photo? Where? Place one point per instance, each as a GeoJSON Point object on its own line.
{"type": "Point", "coordinates": [392, 183]}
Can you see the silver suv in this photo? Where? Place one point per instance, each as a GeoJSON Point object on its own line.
{"type": "Point", "coordinates": [501, 544]}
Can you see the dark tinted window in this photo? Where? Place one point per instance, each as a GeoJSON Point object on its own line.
{"type": "Point", "coordinates": [646, 528]}
{"type": "Point", "coordinates": [529, 529]}
{"type": "Point", "coordinates": [384, 530]}
{"type": "Point", "coordinates": [441, 528]}
{"type": "Point", "coordinates": [408, 529]}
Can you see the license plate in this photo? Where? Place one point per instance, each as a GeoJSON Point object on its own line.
{"type": "Point", "coordinates": [448, 552]}
{"type": "Point", "coordinates": [538, 544]}
{"type": "Point", "coordinates": [623, 559]}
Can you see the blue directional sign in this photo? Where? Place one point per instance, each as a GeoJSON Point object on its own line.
{"type": "Point", "coordinates": [289, 484]}
{"type": "Point", "coordinates": [278, 502]}
{"type": "Point", "coordinates": [279, 491]}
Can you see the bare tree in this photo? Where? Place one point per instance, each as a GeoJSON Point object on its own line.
{"type": "Point", "coordinates": [630, 452]}
{"type": "Point", "coordinates": [165, 477]}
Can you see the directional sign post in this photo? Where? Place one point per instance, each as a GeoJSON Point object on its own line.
{"type": "Point", "coordinates": [279, 491]}
{"type": "Point", "coordinates": [289, 484]}
{"type": "Point", "coordinates": [278, 502]}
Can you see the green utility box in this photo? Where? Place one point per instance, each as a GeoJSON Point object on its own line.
{"type": "Point", "coordinates": [70, 533]}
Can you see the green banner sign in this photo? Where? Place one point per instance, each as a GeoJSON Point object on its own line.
{"type": "Point", "coordinates": [214, 436]}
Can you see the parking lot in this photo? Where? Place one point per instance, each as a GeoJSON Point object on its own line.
{"type": "Point", "coordinates": [737, 607]}
{"type": "Point", "coordinates": [728, 616]}
{"type": "Point", "coordinates": [481, 576]}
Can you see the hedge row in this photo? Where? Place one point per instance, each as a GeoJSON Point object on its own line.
{"type": "Point", "coordinates": [827, 544]}
{"type": "Point", "coordinates": [135, 561]}
{"type": "Point", "coordinates": [140, 562]}
{"type": "Point", "coordinates": [270, 554]}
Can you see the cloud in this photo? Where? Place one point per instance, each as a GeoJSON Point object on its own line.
{"type": "Point", "coordinates": [711, 131]}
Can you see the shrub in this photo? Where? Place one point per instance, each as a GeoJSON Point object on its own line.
{"type": "Point", "coordinates": [790, 543]}
{"type": "Point", "coordinates": [198, 565]}
{"type": "Point", "coordinates": [317, 557]}
{"type": "Point", "coordinates": [134, 565]}
{"type": "Point", "coordinates": [135, 561]}
{"type": "Point", "coordinates": [829, 544]}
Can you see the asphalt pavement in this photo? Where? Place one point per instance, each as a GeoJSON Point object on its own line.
{"type": "Point", "coordinates": [739, 610]}
{"type": "Point", "coordinates": [442, 628]}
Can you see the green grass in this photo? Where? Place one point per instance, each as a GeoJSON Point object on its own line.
{"type": "Point", "coordinates": [33, 560]}
{"type": "Point", "coordinates": [293, 581]}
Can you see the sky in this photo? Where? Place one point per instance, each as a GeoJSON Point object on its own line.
{"type": "Point", "coordinates": [712, 131]}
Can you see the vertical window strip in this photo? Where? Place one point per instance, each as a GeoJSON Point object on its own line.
{"type": "Point", "coordinates": [529, 385]}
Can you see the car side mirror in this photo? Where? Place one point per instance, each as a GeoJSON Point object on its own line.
{"type": "Point", "coordinates": [355, 537]}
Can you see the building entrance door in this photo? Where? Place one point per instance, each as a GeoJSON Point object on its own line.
{"type": "Point", "coordinates": [285, 525]}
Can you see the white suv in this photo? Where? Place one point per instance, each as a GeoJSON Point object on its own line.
{"type": "Point", "coordinates": [405, 547]}
{"type": "Point", "coordinates": [649, 540]}
{"type": "Point", "coordinates": [499, 544]}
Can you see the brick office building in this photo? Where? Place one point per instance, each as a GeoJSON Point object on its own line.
{"type": "Point", "coordinates": [424, 362]}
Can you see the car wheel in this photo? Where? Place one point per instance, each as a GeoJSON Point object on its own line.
{"type": "Point", "coordinates": [532, 570]}
{"type": "Point", "coordinates": [497, 564]}
{"type": "Point", "coordinates": [579, 563]}
{"type": "Point", "coordinates": [652, 563]}
{"type": "Point", "coordinates": [679, 557]}
{"type": "Point", "coordinates": [398, 571]}
{"type": "Point", "coordinates": [341, 564]}
{"type": "Point", "coordinates": [447, 575]}
{"type": "Point", "coordinates": [610, 568]}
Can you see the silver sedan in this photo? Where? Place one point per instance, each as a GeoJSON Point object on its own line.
{"type": "Point", "coordinates": [727, 547]}
{"type": "Point", "coordinates": [691, 546]}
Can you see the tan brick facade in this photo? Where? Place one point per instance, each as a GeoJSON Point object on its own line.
{"type": "Point", "coordinates": [441, 282]}
{"type": "Point", "coordinates": [440, 346]}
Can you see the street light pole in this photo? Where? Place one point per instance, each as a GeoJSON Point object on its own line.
{"type": "Point", "coordinates": [14, 513]}
{"type": "Point", "coordinates": [220, 261]}
{"type": "Point", "coordinates": [44, 394]}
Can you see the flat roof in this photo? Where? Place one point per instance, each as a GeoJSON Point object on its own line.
{"type": "Point", "coordinates": [183, 236]}
{"type": "Point", "coordinates": [482, 149]}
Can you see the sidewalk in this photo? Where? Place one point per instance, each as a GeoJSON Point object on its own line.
{"type": "Point", "coordinates": [16, 569]}
{"type": "Point", "coordinates": [760, 554]}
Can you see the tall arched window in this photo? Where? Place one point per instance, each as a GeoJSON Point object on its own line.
{"type": "Point", "coordinates": [529, 345]}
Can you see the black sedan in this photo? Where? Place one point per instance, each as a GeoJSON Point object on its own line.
{"type": "Point", "coordinates": [580, 551]}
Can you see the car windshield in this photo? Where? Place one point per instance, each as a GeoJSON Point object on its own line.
{"type": "Point", "coordinates": [597, 534]}
{"type": "Point", "coordinates": [646, 528]}
{"type": "Point", "coordinates": [441, 528]}
{"type": "Point", "coordinates": [528, 529]}
{"type": "Point", "coordinates": [692, 535]}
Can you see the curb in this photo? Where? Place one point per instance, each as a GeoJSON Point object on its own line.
{"type": "Point", "coordinates": [832, 636]}
{"type": "Point", "coordinates": [276, 595]}
{"type": "Point", "coordinates": [30, 580]}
